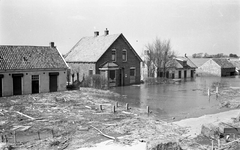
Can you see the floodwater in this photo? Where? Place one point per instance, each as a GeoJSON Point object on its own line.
{"type": "Point", "coordinates": [187, 98]}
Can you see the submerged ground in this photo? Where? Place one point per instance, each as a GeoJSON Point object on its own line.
{"type": "Point", "coordinates": [73, 120]}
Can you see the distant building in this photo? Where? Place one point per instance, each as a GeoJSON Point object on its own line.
{"type": "Point", "coordinates": [178, 68]}
{"type": "Point", "coordinates": [218, 67]}
{"type": "Point", "coordinates": [109, 55]}
{"type": "Point", "coordinates": [31, 69]}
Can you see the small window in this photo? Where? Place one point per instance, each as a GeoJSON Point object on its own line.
{"type": "Point", "coordinates": [90, 72]}
{"type": "Point", "coordinates": [35, 77]}
{"type": "Point", "coordinates": [113, 55]}
{"type": "Point", "coordinates": [132, 72]}
{"type": "Point", "coordinates": [124, 55]}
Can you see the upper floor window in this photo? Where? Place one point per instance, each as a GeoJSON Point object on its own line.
{"type": "Point", "coordinates": [113, 55]}
{"type": "Point", "coordinates": [124, 55]}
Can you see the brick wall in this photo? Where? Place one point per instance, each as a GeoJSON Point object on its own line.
{"type": "Point", "coordinates": [132, 61]}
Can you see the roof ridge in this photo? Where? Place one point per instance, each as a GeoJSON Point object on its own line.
{"type": "Point", "coordinates": [25, 45]}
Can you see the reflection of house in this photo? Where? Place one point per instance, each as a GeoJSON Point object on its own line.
{"type": "Point", "coordinates": [109, 55]}
{"type": "Point", "coordinates": [218, 67]}
{"type": "Point", "coordinates": [177, 68]}
{"type": "Point", "coordinates": [31, 69]}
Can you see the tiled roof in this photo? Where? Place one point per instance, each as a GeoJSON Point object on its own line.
{"type": "Point", "coordinates": [176, 63]}
{"type": "Point", "coordinates": [90, 49]}
{"type": "Point", "coordinates": [30, 57]}
{"type": "Point", "coordinates": [223, 62]}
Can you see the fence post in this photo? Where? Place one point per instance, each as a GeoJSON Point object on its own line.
{"type": "Point", "coordinates": [113, 109]}
{"type": "Point", "coordinates": [100, 107]}
{"type": "Point", "coordinates": [209, 92]}
{"type": "Point", "coordinates": [148, 110]}
{"type": "Point", "coordinates": [15, 137]}
{"type": "Point", "coordinates": [127, 106]}
{"type": "Point", "coordinates": [39, 138]}
{"type": "Point", "coordinates": [52, 133]}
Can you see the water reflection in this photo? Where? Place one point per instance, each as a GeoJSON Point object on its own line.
{"type": "Point", "coordinates": [189, 97]}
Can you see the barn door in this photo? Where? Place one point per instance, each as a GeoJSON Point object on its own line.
{"type": "Point", "coordinates": [17, 84]}
{"type": "Point", "coordinates": [35, 84]}
{"type": "Point", "coordinates": [53, 82]}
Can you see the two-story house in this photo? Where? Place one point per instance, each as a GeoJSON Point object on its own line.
{"type": "Point", "coordinates": [109, 55]}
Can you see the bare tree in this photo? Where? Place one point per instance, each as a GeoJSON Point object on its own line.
{"type": "Point", "coordinates": [160, 53]}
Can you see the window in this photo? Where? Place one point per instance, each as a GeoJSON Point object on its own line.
{"type": "Point", "coordinates": [90, 72]}
{"type": "Point", "coordinates": [124, 55]}
{"type": "Point", "coordinates": [113, 55]}
{"type": "Point", "coordinates": [132, 72]}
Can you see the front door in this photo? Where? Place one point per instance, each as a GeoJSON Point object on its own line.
{"type": "Point", "coordinates": [35, 84]}
{"type": "Point", "coordinates": [185, 73]}
{"type": "Point", "coordinates": [17, 85]}
{"type": "Point", "coordinates": [180, 74]}
{"type": "Point", "coordinates": [53, 83]}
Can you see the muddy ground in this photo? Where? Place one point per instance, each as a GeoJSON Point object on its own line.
{"type": "Point", "coordinates": [73, 119]}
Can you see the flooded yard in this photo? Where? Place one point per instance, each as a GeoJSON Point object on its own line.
{"type": "Point", "coordinates": [188, 98]}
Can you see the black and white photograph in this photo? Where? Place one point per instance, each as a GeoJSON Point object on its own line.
{"type": "Point", "coordinates": [119, 74]}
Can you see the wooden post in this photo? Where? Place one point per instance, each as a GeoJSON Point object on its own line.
{"type": "Point", "coordinates": [116, 104]}
{"type": "Point", "coordinates": [113, 109]}
{"type": "Point", "coordinates": [52, 133]}
{"type": "Point", "coordinates": [2, 137]}
{"type": "Point", "coordinates": [216, 89]}
{"type": "Point", "coordinates": [39, 138]}
{"type": "Point", "coordinates": [6, 139]}
{"type": "Point", "coordinates": [100, 107]}
{"type": "Point", "coordinates": [127, 105]}
{"type": "Point", "coordinates": [212, 145]}
{"type": "Point", "coordinates": [208, 92]}
{"type": "Point", "coordinates": [147, 109]}
{"type": "Point", "coordinates": [15, 137]}
{"type": "Point", "coordinates": [219, 144]}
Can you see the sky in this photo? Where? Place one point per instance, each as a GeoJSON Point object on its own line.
{"type": "Point", "coordinates": [192, 26]}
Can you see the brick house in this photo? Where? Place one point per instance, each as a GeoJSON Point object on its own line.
{"type": "Point", "coordinates": [218, 67]}
{"type": "Point", "coordinates": [179, 67]}
{"type": "Point", "coordinates": [111, 56]}
{"type": "Point", "coordinates": [31, 69]}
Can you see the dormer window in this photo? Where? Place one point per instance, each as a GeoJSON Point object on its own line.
{"type": "Point", "coordinates": [124, 55]}
{"type": "Point", "coordinates": [113, 55]}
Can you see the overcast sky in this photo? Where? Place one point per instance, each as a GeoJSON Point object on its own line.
{"type": "Point", "coordinates": [193, 26]}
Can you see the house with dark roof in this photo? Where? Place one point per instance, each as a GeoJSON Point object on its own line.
{"type": "Point", "coordinates": [111, 56]}
{"type": "Point", "coordinates": [31, 69]}
{"type": "Point", "coordinates": [179, 67]}
{"type": "Point", "coordinates": [218, 67]}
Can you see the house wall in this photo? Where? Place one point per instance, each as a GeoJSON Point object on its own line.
{"type": "Point", "coordinates": [132, 61]}
{"type": "Point", "coordinates": [7, 81]}
{"type": "Point", "coordinates": [210, 67]}
{"type": "Point", "coordinates": [176, 75]}
{"type": "Point", "coordinates": [82, 68]}
{"type": "Point", "coordinates": [228, 71]}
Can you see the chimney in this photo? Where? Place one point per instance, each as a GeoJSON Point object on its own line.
{"type": "Point", "coordinates": [96, 33]}
{"type": "Point", "coordinates": [51, 44]}
{"type": "Point", "coordinates": [106, 32]}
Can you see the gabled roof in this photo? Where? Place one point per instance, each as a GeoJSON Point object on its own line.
{"type": "Point", "coordinates": [90, 49]}
{"type": "Point", "coordinates": [223, 62]}
{"type": "Point", "coordinates": [30, 57]}
{"type": "Point", "coordinates": [177, 63]}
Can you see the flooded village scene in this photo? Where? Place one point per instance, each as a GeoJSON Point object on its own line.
{"type": "Point", "coordinates": [120, 74]}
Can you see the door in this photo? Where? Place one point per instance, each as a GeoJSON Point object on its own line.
{"type": "Point", "coordinates": [35, 84]}
{"type": "Point", "coordinates": [192, 73]}
{"type": "Point", "coordinates": [53, 83]}
{"type": "Point", "coordinates": [179, 74]}
{"type": "Point", "coordinates": [17, 85]}
{"type": "Point", "coordinates": [185, 73]}
{"type": "Point", "coordinates": [0, 87]}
